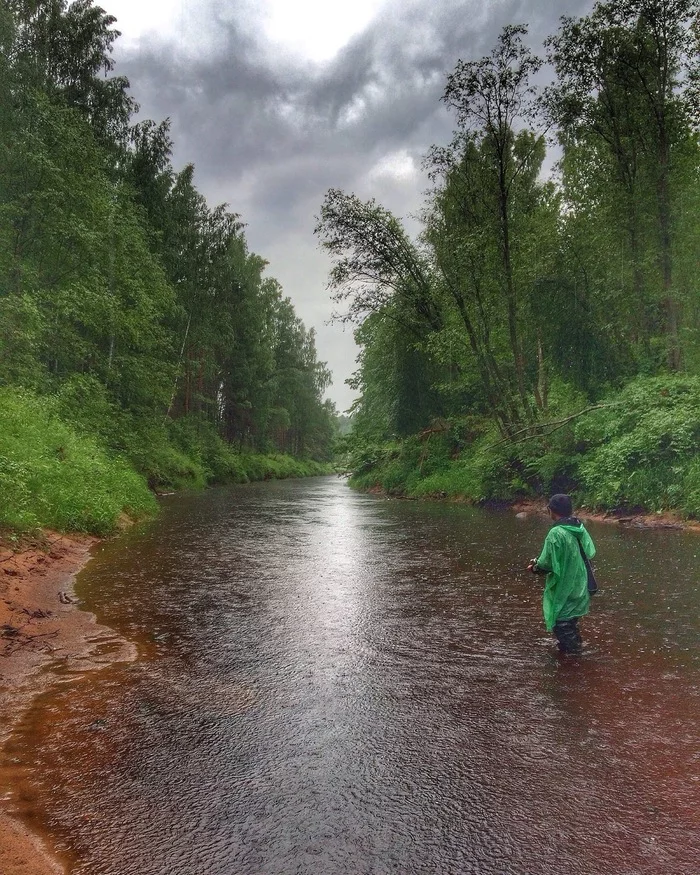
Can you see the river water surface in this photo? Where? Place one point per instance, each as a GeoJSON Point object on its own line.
{"type": "Point", "coordinates": [338, 683]}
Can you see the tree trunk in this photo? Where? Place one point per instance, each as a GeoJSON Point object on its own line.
{"type": "Point", "coordinates": [511, 299]}
{"type": "Point", "coordinates": [670, 304]}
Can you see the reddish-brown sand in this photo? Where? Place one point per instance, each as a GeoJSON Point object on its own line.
{"type": "Point", "coordinates": [40, 626]}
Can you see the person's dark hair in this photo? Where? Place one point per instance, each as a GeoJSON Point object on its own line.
{"type": "Point", "coordinates": [561, 505]}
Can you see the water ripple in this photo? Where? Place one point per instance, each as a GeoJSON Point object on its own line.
{"type": "Point", "coordinates": [333, 683]}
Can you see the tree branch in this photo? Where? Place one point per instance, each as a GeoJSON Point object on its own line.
{"type": "Point", "coordinates": [553, 426]}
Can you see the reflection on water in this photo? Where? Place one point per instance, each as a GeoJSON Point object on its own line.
{"type": "Point", "coordinates": [338, 683]}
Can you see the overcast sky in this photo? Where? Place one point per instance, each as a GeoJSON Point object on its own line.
{"type": "Point", "coordinates": [275, 101]}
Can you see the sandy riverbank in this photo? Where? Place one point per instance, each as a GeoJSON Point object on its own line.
{"type": "Point", "coordinates": [665, 520]}
{"type": "Point", "coordinates": [41, 626]}
{"type": "Point", "coordinates": [537, 507]}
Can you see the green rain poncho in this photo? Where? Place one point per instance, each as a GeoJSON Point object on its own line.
{"type": "Point", "coordinates": [566, 586]}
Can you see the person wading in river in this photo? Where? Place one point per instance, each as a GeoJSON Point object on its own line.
{"type": "Point", "coordinates": [566, 598]}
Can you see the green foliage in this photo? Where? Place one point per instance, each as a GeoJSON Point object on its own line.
{"type": "Point", "coordinates": [562, 315]}
{"type": "Point", "coordinates": [279, 467]}
{"type": "Point", "coordinates": [638, 451]}
{"type": "Point", "coordinates": [429, 468]}
{"type": "Point", "coordinates": [21, 329]}
{"type": "Point", "coordinates": [642, 450]}
{"type": "Point", "coordinates": [125, 299]}
{"type": "Point", "coordinates": [690, 494]}
{"type": "Point", "coordinates": [476, 477]}
{"type": "Point", "coordinates": [368, 460]}
{"type": "Point", "coordinates": [185, 453]}
{"type": "Point", "coordinates": [52, 476]}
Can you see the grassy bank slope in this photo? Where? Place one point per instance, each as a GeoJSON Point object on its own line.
{"type": "Point", "coordinates": [637, 450]}
{"type": "Point", "coordinates": [82, 472]}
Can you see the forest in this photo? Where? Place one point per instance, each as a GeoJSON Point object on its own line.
{"type": "Point", "coordinates": [542, 331]}
{"type": "Point", "coordinates": [143, 347]}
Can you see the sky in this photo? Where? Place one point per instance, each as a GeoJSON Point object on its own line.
{"type": "Point", "coordinates": [276, 101]}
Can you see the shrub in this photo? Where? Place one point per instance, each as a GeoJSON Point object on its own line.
{"type": "Point", "coordinates": [690, 499]}
{"type": "Point", "coordinates": [641, 452]}
{"type": "Point", "coordinates": [52, 476]}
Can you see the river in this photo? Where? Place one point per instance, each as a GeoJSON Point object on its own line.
{"type": "Point", "coordinates": [338, 683]}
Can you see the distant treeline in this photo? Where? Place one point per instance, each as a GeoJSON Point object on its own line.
{"type": "Point", "coordinates": [529, 298]}
{"type": "Point", "coordinates": [123, 296]}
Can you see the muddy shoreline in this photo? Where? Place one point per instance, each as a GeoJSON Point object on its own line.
{"type": "Point", "coordinates": [41, 627]}
{"type": "Point", "coordinates": [537, 507]}
{"type": "Point", "coordinates": [665, 520]}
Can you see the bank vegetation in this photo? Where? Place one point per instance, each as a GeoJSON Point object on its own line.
{"type": "Point", "coordinates": [142, 345]}
{"type": "Point", "coordinates": [542, 332]}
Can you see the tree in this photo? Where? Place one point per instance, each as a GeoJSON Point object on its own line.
{"type": "Point", "coordinates": [464, 229]}
{"type": "Point", "coordinates": [619, 101]}
{"type": "Point", "coordinates": [375, 263]}
{"type": "Point", "coordinates": [396, 379]}
{"type": "Point", "coordinates": [386, 281]}
{"type": "Point", "coordinates": [490, 97]}
{"type": "Point", "coordinates": [62, 49]}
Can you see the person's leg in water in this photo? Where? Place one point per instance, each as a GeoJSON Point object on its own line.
{"type": "Point", "coordinates": [579, 639]}
{"type": "Point", "coordinates": [568, 636]}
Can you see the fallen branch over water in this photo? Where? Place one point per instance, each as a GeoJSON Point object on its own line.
{"type": "Point", "coordinates": [553, 425]}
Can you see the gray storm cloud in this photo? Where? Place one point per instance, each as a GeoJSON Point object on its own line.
{"type": "Point", "coordinates": [269, 132]}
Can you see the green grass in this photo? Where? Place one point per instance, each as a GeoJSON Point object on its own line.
{"type": "Point", "coordinates": [50, 476]}
{"type": "Point", "coordinates": [185, 453]}
{"type": "Point", "coordinates": [83, 472]}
